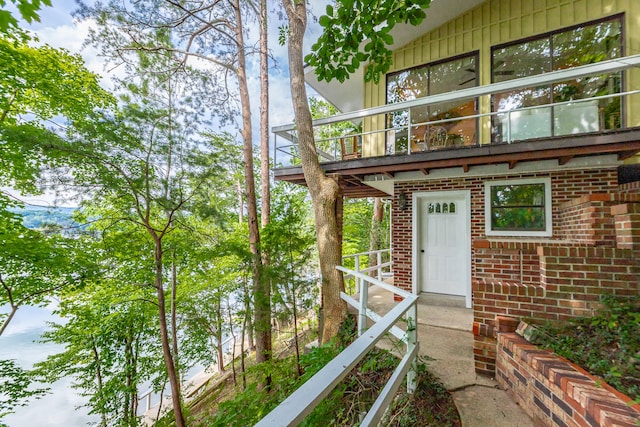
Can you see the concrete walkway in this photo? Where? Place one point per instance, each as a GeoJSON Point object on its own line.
{"type": "Point", "coordinates": [444, 332]}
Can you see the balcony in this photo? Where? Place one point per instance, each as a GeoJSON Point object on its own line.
{"type": "Point", "coordinates": [376, 144]}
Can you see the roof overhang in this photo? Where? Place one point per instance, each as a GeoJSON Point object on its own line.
{"type": "Point", "coordinates": [374, 176]}
{"type": "Point", "coordinates": [349, 95]}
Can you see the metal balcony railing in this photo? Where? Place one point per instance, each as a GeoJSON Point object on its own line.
{"type": "Point", "coordinates": [299, 404]}
{"type": "Point", "coordinates": [573, 116]}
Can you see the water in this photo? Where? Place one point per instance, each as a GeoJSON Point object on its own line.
{"type": "Point", "coordinates": [62, 406]}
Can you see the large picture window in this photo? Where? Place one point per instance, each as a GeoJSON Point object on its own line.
{"type": "Point", "coordinates": [518, 208]}
{"type": "Point", "coordinates": [431, 79]}
{"type": "Point", "coordinates": [572, 47]}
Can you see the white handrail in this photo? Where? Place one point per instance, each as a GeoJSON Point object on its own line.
{"type": "Point", "coordinates": [602, 67]}
{"type": "Point", "coordinates": [299, 404]}
{"type": "Point", "coordinates": [379, 267]}
{"type": "Point", "coordinates": [287, 132]}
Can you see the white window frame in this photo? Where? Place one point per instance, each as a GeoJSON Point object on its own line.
{"type": "Point", "coordinates": [548, 232]}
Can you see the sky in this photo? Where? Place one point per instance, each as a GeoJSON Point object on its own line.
{"type": "Point", "coordinates": [59, 29]}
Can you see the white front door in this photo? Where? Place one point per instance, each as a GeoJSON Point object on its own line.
{"type": "Point", "coordinates": [443, 243]}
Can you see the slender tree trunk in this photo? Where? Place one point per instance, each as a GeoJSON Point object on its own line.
{"type": "Point", "coordinates": [240, 202]}
{"type": "Point", "coordinates": [96, 358]}
{"type": "Point", "coordinates": [264, 116]}
{"type": "Point", "coordinates": [7, 319]}
{"type": "Point", "coordinates": [174, 312]}
{"type": "Point", "coordinates": [164, 336]}
{"type": "Point", "coordinates": [325, 191]}
{"type": "Point", "coordinates": [261, 297]}
{"type": "Point", "coordinates": [218, 334]}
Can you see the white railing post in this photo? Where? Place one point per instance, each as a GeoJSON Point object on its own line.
{"type": "Point", "coordinates": [412, 338]}
{"type": "Point", "coordinates": [379, 263]}
{"type": "Point", "coordinates": [362, 310]}
{"type": "Point", "coordinates": [357, 268]}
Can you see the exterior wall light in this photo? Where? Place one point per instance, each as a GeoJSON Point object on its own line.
{"type": "Point", "coordinates": [402, 201]}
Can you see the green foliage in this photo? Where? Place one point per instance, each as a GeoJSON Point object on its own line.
{"type": "Point", "coordinates": [607, 344]}
{"type": "Point", "coordinates": [358, 31]}
{"type": "Point", "coordinates": [15, 388]}
{"type": "Point", "coordinates": [28, 10]}
{"type": "Point", "coordinates": [39, 84]}
{"type": "Point", "coordinates": [431, 405]}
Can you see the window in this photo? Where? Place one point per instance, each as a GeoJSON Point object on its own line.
{"type": "Point", "coordinates": [584, 44]}
{"type": "Point", "coordinates": [431, 79]}
{"type": "Point", "coordinates": [518, 208]}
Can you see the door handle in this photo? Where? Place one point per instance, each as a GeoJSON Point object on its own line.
{"type": "Point", "coordinates": [422, 250]}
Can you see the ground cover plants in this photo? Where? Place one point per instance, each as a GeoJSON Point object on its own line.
{"type": "Point", "coordinates": [430, 405]}
{"type": "Point", "coordinates": [606, 344]}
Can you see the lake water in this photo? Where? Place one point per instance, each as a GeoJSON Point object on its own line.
{"type": "Point", "coordinates": [62, 406]}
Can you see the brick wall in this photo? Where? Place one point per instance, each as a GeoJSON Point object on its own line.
{"type": "Point", "coordinates": [626, 216]}
{"type": "Point", "coordinates": [565, 186]}
{"type": "Point", "coordinates": [554, 392]}
{"type": "Point", "coordinates": [595, 250]}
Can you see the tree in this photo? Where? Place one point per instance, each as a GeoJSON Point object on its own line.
{"type": "Point", "coordinates": [289, 239]}
{"type": "Point", "coordinates": [38, 84]}
{"type": "Point", "coordinates": [355, 33]}
{"type": "Point", "coordinates": [145, 164]}
{"type": "Point", "coordinates": [15, 388]}
{"type": "Point", "coordinates": [352, 34]}
{"type": "Point", "coordinates": [325, 191]}
{"type": "Point", "coordinates": [28, 10]}
{"type": "Point", "coordinates": [213, 32]}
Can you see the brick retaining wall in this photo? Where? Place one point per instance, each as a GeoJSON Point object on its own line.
{"type": "Point", "coordinates": [555, 392]}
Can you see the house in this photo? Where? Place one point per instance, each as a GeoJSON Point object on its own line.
{"type": "Point", "coordinates": [507, 136]}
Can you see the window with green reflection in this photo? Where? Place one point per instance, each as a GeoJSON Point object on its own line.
{"type": "Point", "coordinates": [518, 207]}
{"type": "Point", "coordinates": [580, 45]}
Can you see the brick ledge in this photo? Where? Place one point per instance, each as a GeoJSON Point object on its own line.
{"type": "Point", "coordinates": [555, 392]}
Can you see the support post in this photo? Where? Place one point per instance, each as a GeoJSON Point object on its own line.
{"type": "Point", "coordinates": [412, 337]}
{"type": "Point", "coordinates": [364, 301]}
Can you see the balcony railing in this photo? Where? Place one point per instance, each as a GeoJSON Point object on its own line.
{"type": "Point", "coordinates": [299, 404]}
{"type": "Point", "coordinates": [340, 138]}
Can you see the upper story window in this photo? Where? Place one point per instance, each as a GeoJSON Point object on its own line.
{"type": "Point", "coordinates": [572, 47]}
{"type": "Point", "coordinates": [518, 207]}
{"type": "Point", "coordinates": [450, 128]}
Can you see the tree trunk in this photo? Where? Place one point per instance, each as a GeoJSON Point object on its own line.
{"type": "Point", "coordinates": [12, 313]}
{"type": "Point", "coordinates": [240, 202]}
{"type": "Point", "coordinates": [164, 336]}
{"type": "Point", "coordinates": [261, 297]}
{"type": "Point", "coordinates": [264, 116]}
{"type": "Point", "coordinates": [174, 311]}
{"type": "Point", "coordinates": [324, 191]}
{"type": "Point", "coordinates": [218, 334]}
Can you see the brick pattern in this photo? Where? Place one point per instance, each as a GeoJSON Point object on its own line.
{"type": "Point", "coordinates": [565, 186]}
{"type": "Point", "coordinates": [626, 217]}
{"type": "Point", "coordinates": [575, 277]}
{"type": "Point", "coordinates": [588, 219]}
{"type": "Point", "coordinates": [555, 392]}
{"type": "Point", "coordinates": [630, 188]}
{"type": "Point", "coordinates": [595, 249]}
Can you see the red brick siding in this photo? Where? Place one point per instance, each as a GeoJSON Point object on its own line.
{"type": "Point", "coordinates": [594, 249]}
{"type": "Point", "coordinates": [555, 392]}
{"type": "Point", "coordinates": [565, 186]}
{"type": "Point", "coordinates": [630, 188]}
{"type": "Point", "coordinates": [588, 219]}
{"type": "Point", "coordinates": [626, 219]}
